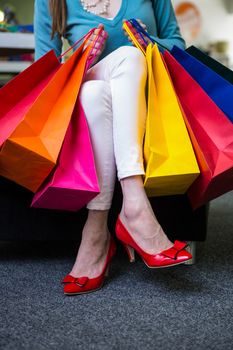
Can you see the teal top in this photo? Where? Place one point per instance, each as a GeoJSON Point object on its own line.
{"type": "Point", "coordinates": [158, 16]}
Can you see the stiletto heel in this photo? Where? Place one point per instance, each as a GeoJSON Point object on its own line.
{"type": "Point", "coordinates": [80, 285]}
{"type": "Point", "coordinates": [107, 272]}
{"type": "Point", "coordinates": [130, 252]}
{"type": "Point", "coordinates": [173, 256]}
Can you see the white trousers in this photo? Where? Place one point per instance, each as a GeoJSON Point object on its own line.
{"type": "Point", "coordinates": [113, 98]}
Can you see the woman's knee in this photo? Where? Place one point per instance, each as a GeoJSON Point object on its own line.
{"type": "Point", "coordinates": [135, 58]}
{"type": "Point", "coordinates": [94, 91]}
{"type": "Point", "coordinates": [96, 99]}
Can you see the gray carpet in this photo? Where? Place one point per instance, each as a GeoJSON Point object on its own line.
{"type": "Point", "coordinates": [178, 308]}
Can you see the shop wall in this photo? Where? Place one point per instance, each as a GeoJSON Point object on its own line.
{"type": "Point", "coordinates": [217, 23]}
{"type": "Point", "coordinates": [24, 9]}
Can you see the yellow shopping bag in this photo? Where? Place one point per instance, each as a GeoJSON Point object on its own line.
{"type": "Point", "coordinates": [171, 165]}
{"type": "Point", "coordinates": [170, 161]}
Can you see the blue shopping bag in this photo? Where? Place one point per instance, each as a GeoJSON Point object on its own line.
{"type": "Point", "coordinates": [218, 89]}
{"type": "Point", "coordinates": [216, 66]}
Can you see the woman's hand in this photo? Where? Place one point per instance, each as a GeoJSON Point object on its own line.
{"type": "Point", "coordinates": [136, 34]}
{"type": "Point", "coordinates": [97, 41]}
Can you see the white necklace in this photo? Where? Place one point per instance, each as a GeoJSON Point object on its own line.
{"type": "Point", "coordinates": [93, 7]}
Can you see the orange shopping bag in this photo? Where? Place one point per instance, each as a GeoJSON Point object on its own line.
{"type": "Point", "coordinates": [19, 94]}
{"type": "Point", "coordinates": [30, 153]}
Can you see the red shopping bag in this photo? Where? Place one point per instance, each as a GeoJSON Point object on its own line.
{"type": "Point", "coordinates": [18, 95]}
{"type": "Point", "coordinates": [74, 182]}
{"type": "Point", "coordinates": [211, 133]}
{"type": "Point", "coordinates": [31, 151]}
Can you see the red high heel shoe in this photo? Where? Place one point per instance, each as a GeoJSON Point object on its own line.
{"type": "Point", "coordinates": [80, 285]}
{"type": "Point", "coordinates": [173, 256]}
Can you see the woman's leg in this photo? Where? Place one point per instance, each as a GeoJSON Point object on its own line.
{"type": "Point", "coordinates": [139, 219]}
{"type": "Point", "coordinates": [125, 69]}
{"type": "Point", "coordinates": [93, 249]}
{"type": "Point", "coordinates": [129, 128]}
{"type": "Point", "coordinates": [96, 100]}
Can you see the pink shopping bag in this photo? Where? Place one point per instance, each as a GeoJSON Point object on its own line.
{"type": "Point", "coordinates": [74, 181]}
{"type": "Point", "coordinates": [211, 133]}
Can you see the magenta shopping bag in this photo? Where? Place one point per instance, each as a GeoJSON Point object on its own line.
{"type": "Point", "coordinates": [74, 182]}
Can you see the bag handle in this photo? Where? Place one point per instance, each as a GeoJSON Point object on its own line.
{"type": "Point", "coordinates": [141, 31]}
{"type": "Point", "coordinates": [92, 56]}
{"type": "Point", "coordinates": [84, 39]}
{"type": "Point", "coordinates": [127, 26]}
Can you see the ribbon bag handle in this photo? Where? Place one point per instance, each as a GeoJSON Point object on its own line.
{"type": "Point", "coordinates": [141, 31]}
{"type": "Point", "coordinates": [92, 54]}
{"type": "Point", "coordinates": [132, 36]}
{"type": "Point", "coordinates": [84, 39]}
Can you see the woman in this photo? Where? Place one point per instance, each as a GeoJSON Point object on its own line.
{"type": "Point", "coordinates": [113, 97]}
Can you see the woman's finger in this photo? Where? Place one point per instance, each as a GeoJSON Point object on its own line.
{"type": "Point", "coordinates": [134, 32]}
{"type": "Point", "coordinates": [98, 42]}
{"type": "Point", "coordinates": [141, 23]}
{"type": "Point", "coordinates": [100, 26]}
{"type": "Point", "coordinates": [99, 32]}
{"type": "Point", "coordinates": [98, 39]}
{"type": "Point", "coordinates": [100, 29]}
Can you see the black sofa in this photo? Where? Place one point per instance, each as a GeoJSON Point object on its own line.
{"type": "Point", "coordinates": [20, 222]}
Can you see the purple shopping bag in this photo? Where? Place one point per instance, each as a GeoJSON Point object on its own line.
{"type": "Point", "coordinates": [74, 182]}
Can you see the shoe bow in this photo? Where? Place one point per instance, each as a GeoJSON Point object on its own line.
{"type": "Point", "coordinates": [173, 252]}
{"type": "Point", "coordinates": [80, 281]}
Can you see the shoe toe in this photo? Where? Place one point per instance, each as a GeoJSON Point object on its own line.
{"type": "Point", "coordinates": [184, 255]}
{"type": "Point", "coordinates": [71, 288]}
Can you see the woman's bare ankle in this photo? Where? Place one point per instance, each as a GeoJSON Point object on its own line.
{"type": "Point", "coordinates": [97, 222]}
{"type": "Point", "coordinates": [94, 246]}
{"type": "Point", "coordinates": [138, 217]}
{"type": "Point", "coordinates": [132, 187]}
{"type": "Point", "coordinates": [134, 197]}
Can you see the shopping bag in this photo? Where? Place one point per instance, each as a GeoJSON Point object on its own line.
{"type": "Point", "coordinates": [171, 165]}
{"type": "Point", "coordinates": [18, 95]}
{"type": "Point", "coordinates": [210, 62]}
{"type": "Point", "coordinates": [74, 181]}
{"type": "Point", "coordinates": [219, 89]}
{"type": "Point", "coordinates": [212, 135]}
{"type": "Point", "coordinates": [30, 153]}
